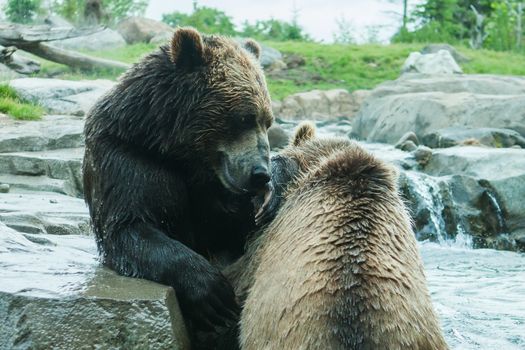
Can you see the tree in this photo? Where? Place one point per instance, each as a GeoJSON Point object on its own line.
{"type": "Point", "coordinates": [344, 34]}
{"type": "Point", "coordinates": [21, 11]}
{"type": "Point", "coordinates": [114, 10]}
{"type": "Point", "coordinates": [205, 19]}
{"type": "Point", "coordinates": [274, 29]}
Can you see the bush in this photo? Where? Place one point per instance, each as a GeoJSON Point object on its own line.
{"type": "Point", "coordinates": [12, 105]}
{"type": "Point", "coordinates": [276, 30]}
{"type": "Point", "coordinates": [21, 11]}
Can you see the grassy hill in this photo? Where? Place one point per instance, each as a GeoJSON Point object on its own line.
{"type": "Point", "coordinates": [327, 66]}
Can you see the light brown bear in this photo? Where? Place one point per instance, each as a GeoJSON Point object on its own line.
{"type": "Point", "coordinates": [338, 267]}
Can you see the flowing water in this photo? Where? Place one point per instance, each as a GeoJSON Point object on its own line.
{"type": "Point", "coordinates": [479, 294]}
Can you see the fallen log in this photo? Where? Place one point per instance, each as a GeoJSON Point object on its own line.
{"type": "Point", "coordinates": [36, 39]}
{"type": "Point", "coordinates": [74, 59]}
{"type": "Point", "coordinates": [16, 62]}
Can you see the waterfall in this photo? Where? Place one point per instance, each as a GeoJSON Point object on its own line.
{"type": "Point", "coordinates": [427, 188]}
{"type": "Point", "coordinates": [498, 211]}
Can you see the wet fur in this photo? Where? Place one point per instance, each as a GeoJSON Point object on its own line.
{"type": "Point", "coordinates": [338, 267]}
{"type": "Point", "coordinates": [158, 210]}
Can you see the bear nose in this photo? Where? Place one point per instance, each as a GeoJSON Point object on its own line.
{"type": "Point", "coordinates": [260, 176]}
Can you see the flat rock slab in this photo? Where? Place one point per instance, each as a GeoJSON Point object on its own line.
{"type": "Point", "coordinates": [55, 294]}
{"type": "Point", "coordinates": [52, 132]}
{"type": "Point", "coordinates": [62, 96]}
{"type": "Point", "coordinates": [44, 212]}
{"type": "Point", "coordinates": [62, 164]}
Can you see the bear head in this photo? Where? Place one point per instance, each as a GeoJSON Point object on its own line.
{"type": "Point", "coordinates": [229, 105]}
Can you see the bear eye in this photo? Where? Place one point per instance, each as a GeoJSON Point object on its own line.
{"type": "Point", "coordinates": [248, 120]}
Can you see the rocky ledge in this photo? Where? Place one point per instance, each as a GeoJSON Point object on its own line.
{"type": "Point", "coordinates": [54, 292]}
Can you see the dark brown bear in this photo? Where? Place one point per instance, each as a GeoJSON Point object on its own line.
{"type": "Point", "coordinates": [338, 267]}
{"type": "Point", "coordinates": [173, 155]}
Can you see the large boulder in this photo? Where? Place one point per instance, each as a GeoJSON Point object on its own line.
{"type": "Point", "coordinates": [435, 48]}
{"type": "Point", "coordinates": [492, 137]}
{"type": "Point", "coordinates": [438, 63]}
{"type": "Point", "coordinates": [501, 173]}
{"type": "Point", "coordinates": [62, 96]}
{"type": "Point", "coordinates": [424, 104]}
{"type": "Point", "coordinates": [140, 29]}
{"type": "Point", "coordinates": [102, 40]}
{"type": "Point", "coordinates": [54, 294]}
{"type": "Point", "coordinates": [319, 105]}
{"type": "Point", "coordinates": [465, 191]}
{"type": "Point", "coordinates": [269, 55]}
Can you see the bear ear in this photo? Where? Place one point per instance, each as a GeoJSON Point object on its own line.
{"type": "Point", "coordinates": [253, 48]}
{"type": "Point", "coordinates": [187, 48]}
{"type": "Point", "coordinates": [305, 132]}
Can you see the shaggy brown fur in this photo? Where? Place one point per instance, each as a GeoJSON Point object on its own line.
{"type": "Point", "coordinates": [174, 153]}
{"type": "Point", "coordinates": [338, 267]}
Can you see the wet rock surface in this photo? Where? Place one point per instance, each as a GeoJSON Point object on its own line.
{"type": "Point", "coordinates": [55, 294]}
{"type": "Point", "coordinates": [62, 96]}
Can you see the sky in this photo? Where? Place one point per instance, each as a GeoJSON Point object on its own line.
{"type": "Point", "coordinates": [317, 17]}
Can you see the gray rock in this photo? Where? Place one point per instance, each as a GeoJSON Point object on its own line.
{"type": "Point", "coordinates": [501, 171]}
{"type": "Point", "coordinates": [519, 238]}
{"type": "Point", "coordinates": [424, 104]}
{"type": "Point", "coordinates": [269, 55]}
{"type": "Point", "coordinates": [407, 146]}
{"type": "Point", "coordinates": [44, 213]}
{"type": "Point", "coordinates": [52, 132]}
{"type": "Point", "coordinates": [435, 48]}
{"type": "Point", "coordinates": [319, 105]}
{"type": "Point", "coordinates": [294, 61]}
{"type": "Point", "coordinates": [60, 164]}
{"type": "Point", "coordinates": [54, 294]}
{"type": "Point", "coordinates": [277, 137]}
{"type": "Point", "coordinates": [276, 66]}
{"type": "Point", "coordinates": [7, 73]}
{"type": "Point", "coordinates": [62, 96]}
{"type": "Point", "coordinates": [409, 136]}
{"type": "Point", "coordinates": [140, 29]}
{"type": "Point", "coordinates": [4, 188]}
{"type": "Point", "coordinates": [102, 40]}
{"type": "Point", "coordinates": [422, 155]}
{"type": "Point", "coordinates": [438, 63]}
{"type": "Point", "coordinates": [162, 38]}
{"type": "Point", "coordinates": [493, 137]}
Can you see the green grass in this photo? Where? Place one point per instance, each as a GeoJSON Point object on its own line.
{"type": "Point", "coordinates": [327, 66]}
{"type": "Point", "coordinates": [12, 105]}
{"type": "Point", "coordinates": [350, 67]}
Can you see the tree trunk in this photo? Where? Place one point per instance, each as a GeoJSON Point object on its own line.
{"type": "Point", "coordinates": [405, 15]}
{"type": "Point", "coordinates": [74, 59]}
{"type": "Point", "coordinates": [32, 39]}
{"type": "Point", "coordinates": [519, 29]}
